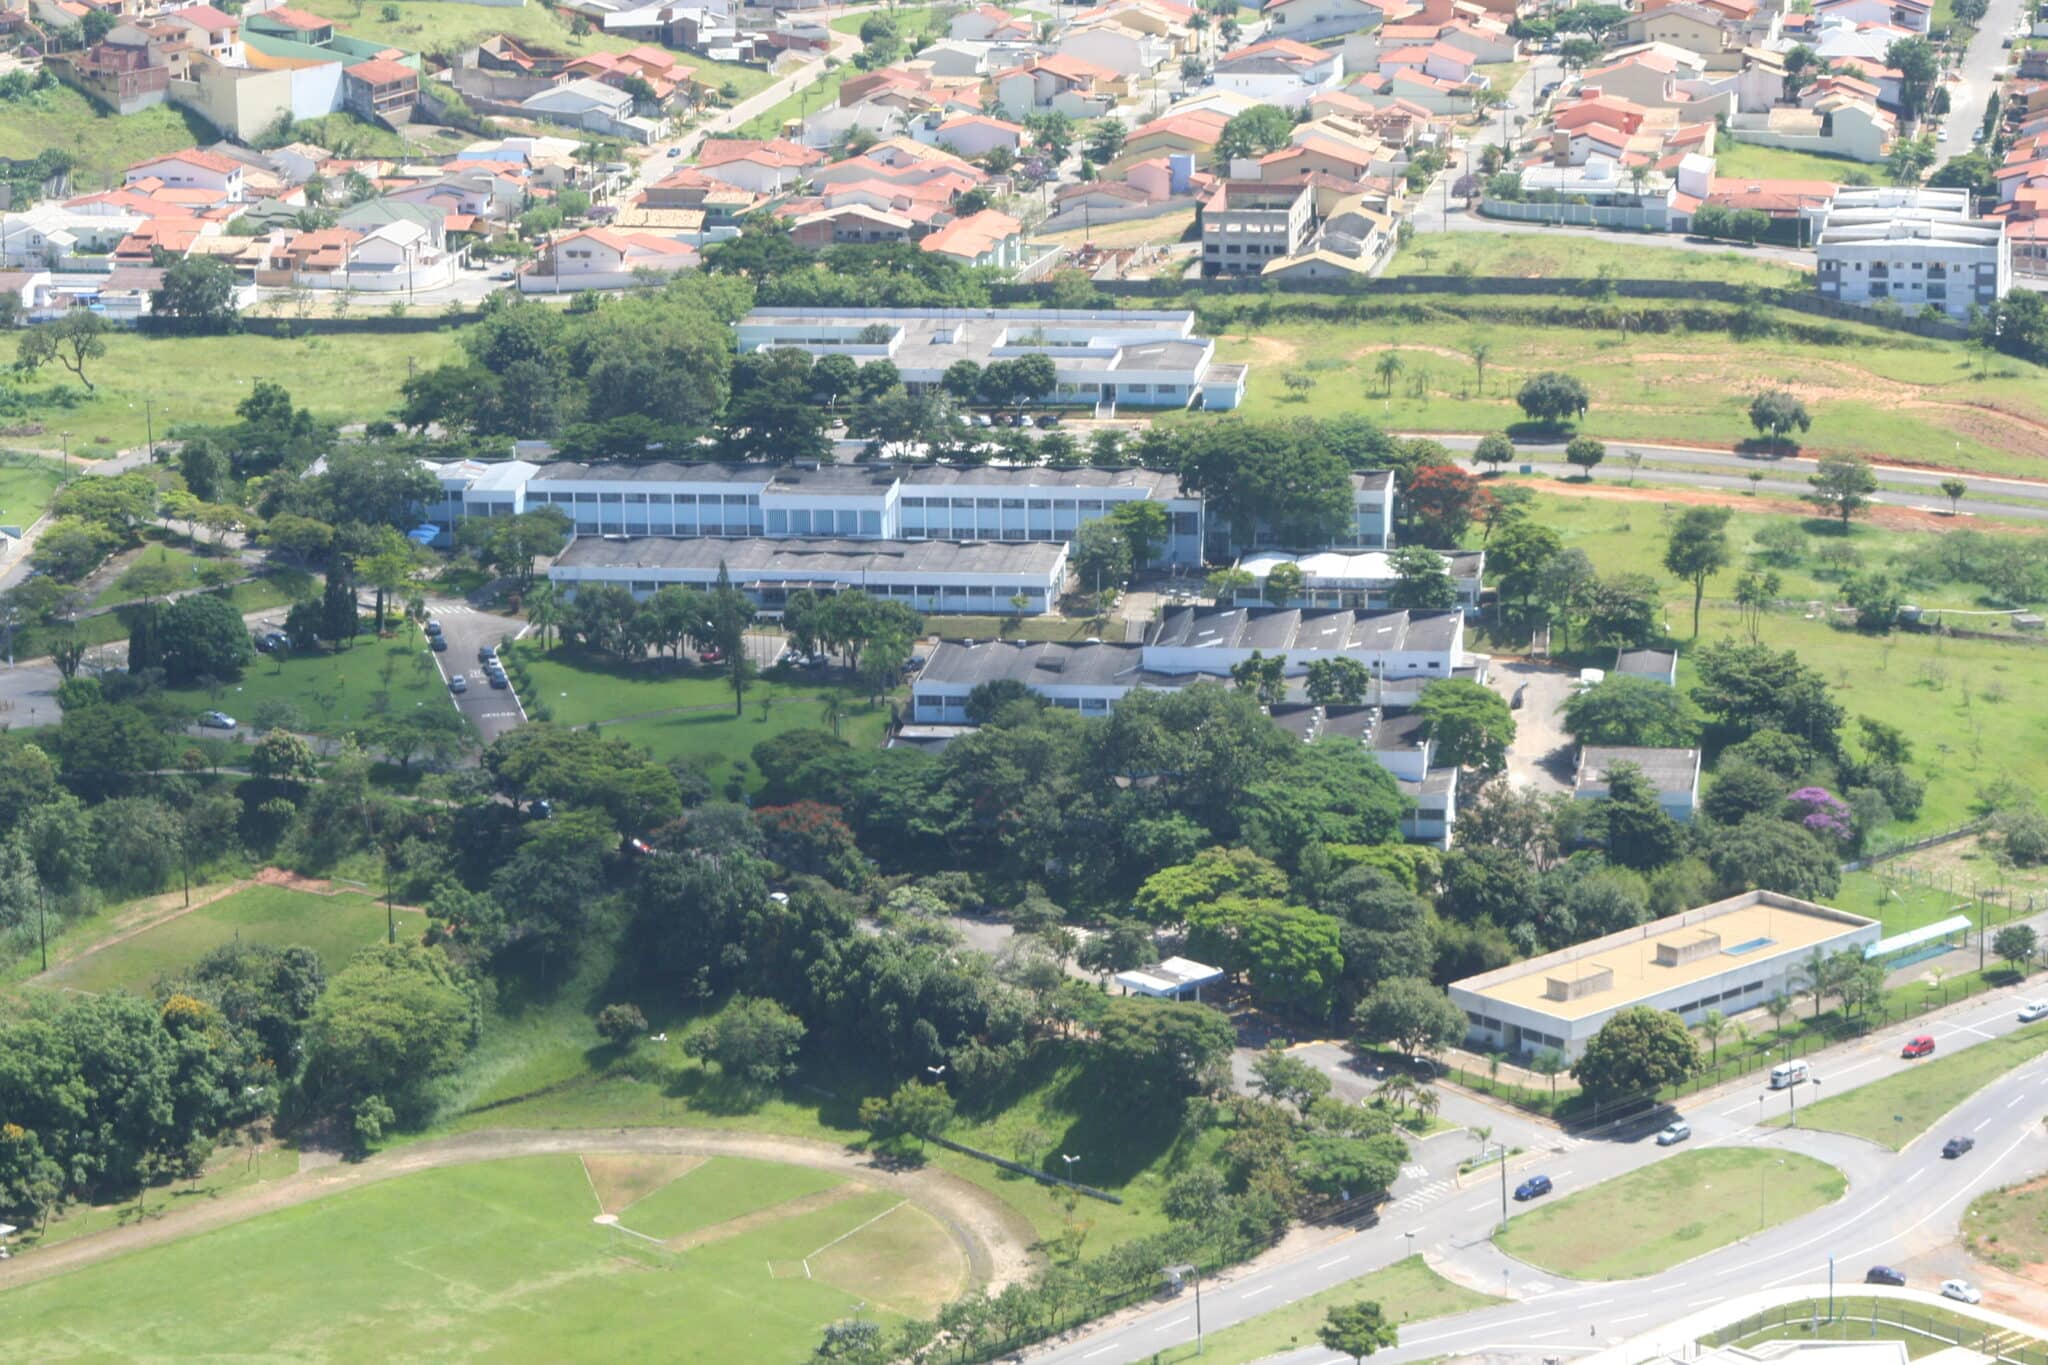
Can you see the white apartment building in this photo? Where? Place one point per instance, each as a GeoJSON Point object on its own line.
{"type": "Point", "coordinates": [1911, 247]}
{"type": "Point", "coordinates": [1355, 579]}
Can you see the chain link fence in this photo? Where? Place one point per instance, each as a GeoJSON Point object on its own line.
{"type": "Point", "coordinates": [1897, 1314]}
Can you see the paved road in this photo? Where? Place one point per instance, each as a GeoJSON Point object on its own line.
{"type": "Point", "coordinates": [1969, 97]}
{"type": "Point", "coordinates": [1900, 486]}
{"type": "Point", "coordinates": [1899, 1207]}
{"type": "Point", "coordinates": [492, 710]}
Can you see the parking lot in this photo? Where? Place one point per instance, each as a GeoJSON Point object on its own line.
{"type": "Point", "coordinates": [492, 710]}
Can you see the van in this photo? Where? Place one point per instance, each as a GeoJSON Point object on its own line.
{"type": "Point", "coordinates": [1787, 1074]}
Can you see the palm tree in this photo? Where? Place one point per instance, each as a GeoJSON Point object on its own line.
{"type": "Point", "coordinates": [1396, 1091]}
{"type": "Point", "coordinates": [544, 611]}
{"type": "Point", "coordinates": [1480, 1133]}
{"type": "Point", "coordinates": [1387, 366]}
{"type": "Point", "coordinates": [1778, 1007]}
{"type": "Point", "coordinates": [1480, 351]}
{"type": "Point", "coordinates": [1426, 1102]}
{"type": "Point", "coordinates": [1712, 1026]}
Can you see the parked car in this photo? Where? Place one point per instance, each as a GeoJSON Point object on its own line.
{"type": "Point", "coordinates": [674, 152]}
{"type": "Point", "coordinates": [273, 641]}
{"type": "Point", "coordinates": [913, 663]}
{"type": "Point", "coordinates": [1534, 1187]}
{"type": "Point", "coordinates": [1957, 1146]}
{"type": "Point", "coordinates": [1941, 135]}
{"type": "Point", "coordinates": [1049, 421]}
{"type": "Point", "coordinates": [458, 684]}
{"type": "Point", "coordinates": [217, 720]}
{"type": "Point", "coordinates": [1962, 1291]}
{"type": "Point", "coordinates": [2032, 1010]}
{"type": "Point", "coordinates": [1919, 1045]}
{"type": "Point", "coordinates": [1674, 1133]}
{"type": "Point", "coordinates": [433, 628]}
{"type": "Point", "coordinates": [792, 658]}
{"type": "Point", "coordinates": [542, 809]}
{"type": "Point", "coordinates": [438, 643]}
{"type": "Point", "coordinates": [711, 656]}
{"type": "Point", "coordinates": [487, 654]}
{"type": "Point", "coordinates": [982, 419]}
{"type": "Point", "coordinates": [1884, 1274]}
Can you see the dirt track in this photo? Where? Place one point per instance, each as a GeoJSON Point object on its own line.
{"type": "Point", "coordinates": [996, 1238]}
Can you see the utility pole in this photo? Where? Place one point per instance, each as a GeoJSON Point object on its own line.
{"type": "Point", "coordinates": [1503, 1186]}
{"type": "Point", "coordinates": [42, 932]}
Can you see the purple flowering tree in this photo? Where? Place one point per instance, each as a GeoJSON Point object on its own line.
{"type": "Point", "coordinates": [1821, 811]}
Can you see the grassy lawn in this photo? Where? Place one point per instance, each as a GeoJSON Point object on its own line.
{"type": "Point", "coordinates": [27, 483]}
{"type": "Point", "coordinates": [428, 1264]}
{"type": "Point", "coordinates": [105, 144]}
{"type": "Point", "coordinates": [333, 693]}
{"type": "Point", "coordinates": [1657, 1216]}
{"type": "Point", "coordinates": [200, 380]}
{"type": "Point", "coordinates": [333, 926]}
{"type": "Point", "coordinates": [1502, 76]}
{"type": "Point", "coordinates": [1747, 161]}
{"type": "Point", "coordinates": [1531, 255]}
{"type": "Point", "coordinates": [818, 96]}
{"type": "Point", "coordinates": [720, 1190]}
{"type": "Point", "coordinates": [263, 594]}
{"type": "Point", "coordinates": [1939, 1327]}
{"type": "Point", "coordinates": [1894, 1111]}
{"type": "Point", "coordinates": [432, 26]}
{"type": "Point", "coordinates": [232, 1168]}
{"type": "Point", "coordinates": [686, 712]}
{"type": "Point", "coordinates": [2009, 1227]}
{"type": "Point", "coordinates": [1408, 1291]}
{"type": "Point", "coordinates": [1880, 395]}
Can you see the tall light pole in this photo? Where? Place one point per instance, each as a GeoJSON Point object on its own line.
{"type": "Point", "coordinates": [1503, 1185]}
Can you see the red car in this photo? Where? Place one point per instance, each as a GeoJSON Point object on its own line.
{"type": "Point", "coordinates": [711, 656]}
{"type": "Point", "coordinates": [1919, 1046]}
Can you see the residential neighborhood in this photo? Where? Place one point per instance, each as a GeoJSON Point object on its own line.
{"type": "Point", "coordinates": [1076, 682]}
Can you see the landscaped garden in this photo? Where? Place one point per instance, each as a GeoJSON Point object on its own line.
{"type": "Point", "coordinates": [330, 692]}
{"type": "Point", "coordinates": [1408, 1292]}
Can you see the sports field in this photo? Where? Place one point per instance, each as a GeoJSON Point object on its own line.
{"type": "Point", "coordinates": [508, 1260]}
{"type": "Point", "coordinates": [334, 926]}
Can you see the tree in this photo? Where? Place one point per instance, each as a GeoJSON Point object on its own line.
{"type": "Point", "coordinates": [1264, 676]}
{"type": "Point", "coordinates": [198, 294]}
{"type": "Point", "coordinates": [1637, 1051]}
{"type": "Point", "coordinates": [1105, 140]}
{"type": "Point", "coordinates": [1101, 555]}
{"type": "Point", "coordinates": [1552, 398]}
{"type": "Point", "coordinates": [1622, 611]}
{"type": "Point", "coordinates": [1357, 1330]}
{"type": "Point", "coordinates": [1747, 688]}
{"type": "Point", "coordinates": [509, 545]}
{"type": "Point", "coordinates": [1696, 550]}
{"type": "Point", "coordinates": [1766, 853]}
{"type": "Point", "coordinates": [283, 757]}
{"type": "Point", "coordinates": [1289, 955]}
{"type": "Point", "coordinates": [1340, 1166]}
{"type": "Point", "coordinates": [1440, 501]}
{"type": "Point", "coordinates": [1875, 598]}
{"type": "Point", "coordinates": [1480, 351]}
{"type": "Point", "coordinates": [390, 1022]}
{"type": "Point", "coordinates": [1145, 527]}
{"type": "Point", "coordinates": [1279, 1076]}
{"type": "Point", "coordinates": [1470, 723]}
{"type": "Point", "coordinates": [771, 416]}
{"type": "Point", "coordinates": [1421, 580]}
{"type": "Point", "coordinates": [754, 1041]}
{"type": "Point", "coordinates": [1169, 895]}
{"type": "Point", "coordinates": [1842, 485]}
{"type": "Point", "coordinates": [1640, 834]}
{"type": "Point", "coordinates": [1585, 452]}
{"type": "Point", "coordinates": [1338, 681]}
{"type": "Point", "coordinates": [1953, 490]}
{"type": "Point", "coordinates": [914, 1109]}
{"type": "Point", "coordinates": [1919, 66]}
{"type": "Point", "coordinates": [1494, 450]}
{"type": "Point", "coordinates": [73, 340]}
{"type": "Point", "coordinates": [1777, 412]}
{"type": "Point", "coordinates": [1712, 1025]}
{"type": "Point", "coordinates": [1151, 1050]}
{"type": "Point", "coordinates": [1387, 366]}
{"type": "Point", "coordinates": [2017, 945]}
{"type": "Point", "coordinates": [1410, 1012]}
{"type": "Point", "coordinates": [1266, 128]}
{"type": "Point", "coordinates": [1631, 712]}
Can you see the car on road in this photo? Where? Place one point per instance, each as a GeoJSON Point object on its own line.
{"type": "Point", "coordinates": [501, 276]}
{"type": "Point", "coordinates": [674, 152]}
{"type": "Point", "coordinates": [458, 684]}
{"type": "Point", "coordinates": [1049, 421]}
{"type": "Point", "coordinates": [1957, 1146]}
{"type": "Point", "coordinates": [499, 681]}
{"type": "Point", "coordinates": [711, 656]}
{"type": "Point", "coordinates": [1941, 135]}
{"type": "Point", "coordinates": [433, 628]}
{"type": "Point", "coordinates": [1962, 1291]}
{"type": "Point", "coordinates": [439, 644]}
{"type": "Point", "coordinates": [2032, 1010]}
{"type": "Point", "coordinates": [486, 654]}
{"type": "Point", "coordinates": [217, 720]}
{"type": "Point", "coordinates": [1919, 1045]}
{"type": "Point", "coordinates": [1534, 1187]}
{"type": "Point", "coordinates": [1674, 1133]}
{"type": "Point", "coordinates": [1884, 1274]}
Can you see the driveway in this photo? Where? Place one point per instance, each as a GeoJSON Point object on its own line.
{"type": "Point", "coordinates": [493, 711]}
{"type": "Point", "coordinates": [1541, 756]}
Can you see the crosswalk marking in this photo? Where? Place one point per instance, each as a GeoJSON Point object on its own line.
{"type": "Point", "coordinates": [1428, 1194]}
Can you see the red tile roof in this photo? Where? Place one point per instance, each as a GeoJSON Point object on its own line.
{"type": "Point", "coordinates": [382, 71]}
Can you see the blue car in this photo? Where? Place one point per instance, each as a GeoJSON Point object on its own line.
{"type": "Point", "coordinates": [1533, 1187]}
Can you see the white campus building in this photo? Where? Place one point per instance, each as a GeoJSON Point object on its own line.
{"type": "Point", "coordinates": [1911, 247]}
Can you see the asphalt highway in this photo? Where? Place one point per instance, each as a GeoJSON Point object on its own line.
{"type": "Point", "coordinates": [1898, 1205]}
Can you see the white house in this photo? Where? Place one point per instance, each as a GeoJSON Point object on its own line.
{"type": "Point", "coordinates": [1915, 16]}
{"type": "Point", "coordinates": [587, 103]}
{"type": "Point", "coordinates": [192, 170]}
{"type": "Point", "coordinates": [1673, 773]}
{"type": "Point", "coordinates": [1129, 54]}
{"type": "Point", "coordinates": [1912, 247]}
{"type": "Point", "coordinates": [398, 255]}
{"type": "Point", "coordinates": [970, 135]}
{"type": "Point", "coordinates": [600, 258]}
{"type": "Point", "coordinates": [1280, 71]}
{"type": "Point", "coordinates": [1308, 20]}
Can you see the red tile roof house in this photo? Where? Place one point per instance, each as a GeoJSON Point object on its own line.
{"type": "Point", "coordinates": [192, 170]}
{"type": "Point", "coordinates": [753, 164]}
{"type": "Point", "coordinates": [380, 90]}
{"type": "Point", "coordinates": [987, 238]}
{"type": "Point", "coordinates": [599, 258]}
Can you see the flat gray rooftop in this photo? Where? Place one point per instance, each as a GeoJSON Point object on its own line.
{"type": "Point", "coordinates": [830, 478]}
{"type": "Point", "coordinates": [1668, 770]}
{"type": "Point", "coordinates": [801, 556]}
{"type": "Point", "coordinates": [1284, 628]}
{"type": "Point", "coordinates": [1044, 663]}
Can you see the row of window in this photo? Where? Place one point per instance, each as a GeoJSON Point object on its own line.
{"type": "Point", "coordinates": [1733, 993]}
{"type": "Point", "coordinates": [647, 499]}
{"type": "Point", "coordinates": [643, 587]}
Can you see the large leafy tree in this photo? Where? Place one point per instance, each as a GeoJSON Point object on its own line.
{"type": "Point", "coordinates": [1411, 1013]}
{"type": "Point", "coordinates": [1552, 397]}
{"type": "Point", "coordinates": [388, 1024]}
{"type": "Point", "coordinates": [1696, 549]}
{"type": "Point", "coordinates": [1470, 724]}
{"type": "Point", "coordinates": [1771, 854]}
{"type": "Point", "coordinates": [1441, 500]}
{"type": "Point", "coordinates": [1842, 485]}
{"type": "Point", "coordinates": [1637, 1051]}
{"type": "Point", "coordinates": [1745, 688]}
{"type": "Point", "coordinates": [1288, 954]}
{"type": "Point", "coordinates": [1171, 894]}
{"type": "Point", "coordinates": [1629, 711]}
{"type": "Point", "coordinates": [1150, 1050]}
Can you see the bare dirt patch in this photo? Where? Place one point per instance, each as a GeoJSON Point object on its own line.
{"type": "Point", "coordinates": [622, 1178]}
{"type": "Point", "coordinates": [1273, 351]}
{"type": "Point", "coordinates": [903, 1260]}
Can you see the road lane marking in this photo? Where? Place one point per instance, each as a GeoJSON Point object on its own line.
{"type": "Point", "coordinates": [1327, 1264]}
{"type": "Point", "coordinates": [1633, 1317]}
{"type": "Point", "coordinates": [2014, 1100]}
{"type": "Point", "coordinates": [1168, 1326]}
{"type": "Point", "coordinates": [1100, 1350]}
{"type": "Point", "coordinates": [1916, 1175]}
{"type": "Point", "coordinates": [1482, 1204]}
{"type": "Point", "coordinates": [1553, 1332]}
{"type": "Point", "coordinates": [1980, 1127]}
{"type": "Point", "coordinates": [1254, 1293]}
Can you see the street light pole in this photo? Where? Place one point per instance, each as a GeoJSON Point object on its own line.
{"type": "Point", "coordinates": [1503, 1185]}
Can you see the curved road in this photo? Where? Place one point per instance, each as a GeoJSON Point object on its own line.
{"type": "Point", "coordinates": [1899, 485]}
{"type": "Point", "coordinates": [1898, 1205]}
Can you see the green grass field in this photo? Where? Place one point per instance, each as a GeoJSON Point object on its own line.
{"type": "Point", "coordinates": [1659, 1215]}
{"type": "Point", "coordinates": [200, 380]}
{"type": "Point", "coordinates": [1894, 1111]}
{"type": "Point", "coordinates": [1748, 161]}
{"type": "Point", "coordinates": [695, 719]}
{"type": "Point", "coordinates": [336, 692]}
{"type": "Point", "coordinates": [1940, 1327]}
{"type": "Point", "coordinates": [104, 144]}
{"type": "Point", "coordinates": [720, 1190]}
{"type": "Point", "coordinates": [500, 1259]}
{"type": "Point", "coordinates": [1882, 395]}
{"type": "Point", "coordinates": [1409, 1292]}
{"type": "Point", "coordinates": [1576, 256]}
{"type": "Point", "coordinates": [2009, 1227]}
{"type": "Point", "coordinates": [27, 483]}
{"type": "Point", "coordinates": [334, 926]}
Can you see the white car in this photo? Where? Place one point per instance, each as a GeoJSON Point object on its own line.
{"type": "Point", "coordinates": [1674, 1133]}
{"type": "Point", "coordinates": [2032, 1010]}
{"type": "Point", "coordinates": [217, 720]}
{"type": "Point", "coordinates": [1962, 1291]}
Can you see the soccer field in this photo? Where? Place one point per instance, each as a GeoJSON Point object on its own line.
{"type": "Point", "coordinates": [509, 1260]}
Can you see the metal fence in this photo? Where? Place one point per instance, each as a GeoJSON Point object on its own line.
{"type": "Point", "coordinates": [1900, 1314]}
